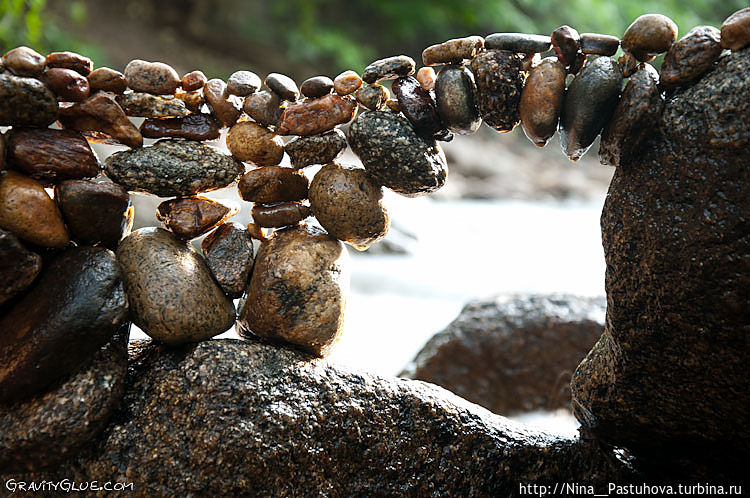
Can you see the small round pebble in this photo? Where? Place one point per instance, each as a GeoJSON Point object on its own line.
{"type": "Point", "coordinates": [522, 43]}
{"type": "Point", "coordinates": [193, 80]}
{"type": "Point", "coordinates": [151, 77]}
{"type": "Point", "coordinates": [70, 60]}
{"type": "Point", "coordinates": [24, 61]}
{"type": "Point", "coordinates": [264, 107]}
{"type": "Point", "coordinates": [243, 83]}
{"type": "Point", "coordinates": [273, 184]}
{"type": "Point", "coordinates": [279, 215]}
{"type": "Point", "coordinates": [566, 42]}
{"type": "Point", "coordinates": [251, 142]}
{"type": "Point", "coordinates": [735, 31]}
{"type": "Point", "coordinates": [68, 85]}
{"type": "Point", "coordinates": [388, 69]}
{"type": "Point", "coordinates": [283, 86]}
{"type": "Point", "coordinates": [373, 96]}
{"type": "Point", "coordinates": [347, 83]}
{"type": "Point", "coordinates": [190, 217]}
{"type": "Point", "coordinates": [316, 86]}
{"type": "Point", "coordinates": [542, 99]}
{"type": "Point", "coordinates": [453, 51]}
{"type": "Point", "coordinates": [427, 78]}
{"type": "Point", "coordinates": [315, 149]}
{"type": "Point", "coordinates": [107, 80]}
{"type": "Point", "coordinates": [690, 57]}
{"type": "Point", "coordinates": [648, 36]}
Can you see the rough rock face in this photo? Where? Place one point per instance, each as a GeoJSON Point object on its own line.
{"type": "Point", "coordinates": [512, 353]}
{"type": "Point", "coordinates": [668, 379]}
{"type": "Point", "coordinates": [232, 418]}
{"type": "Point", "coordinates": [25, 102]}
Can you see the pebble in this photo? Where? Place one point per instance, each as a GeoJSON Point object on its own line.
{"type": "Point", "coordinates": [455, 95]}
{"type": "Point", "coordinates": [19, 267]}
{"type": "Point", "coordinates": [192, 127]}
{"type": "Point", "coordinates": [393, 105]}
{"type": "Point", "coordinates": [102, 120]}
{"type": "Point", "coordinates": [107, 224]}
{"type": "Point", "coordinates": [589, 103]}
{"type": "Point", "coordinates": [691, 56]}
{"type": "Point", "coordinates": [75, 308]}
{"type": "Point", "coordinates": [190, 217]}
{"type": "Point", "coordinates": [598, 44]}
{"type": "Point", "coordinates": [225, 107]}
{"type": "Point", "coordinates": [648, 36]}
{"type": "Point", "coordinates": [634, 119]}
{"type": "Point", "coordinates": [146, 105]}
{"type": "Point", "coordinates": [193, 80]}
{"type": "Point", "coordinates": [229, 254]}
{"type": "Point", "coordinates": [349, 205]}
{"type": "Point", "coordinates": [49, 156]}
{"type": "Point", "coordinates": [193, 100]}
{"type": "Point", "coordinates": [151, 77]}
{"type": "Point", "coordinates": [395, 156]}
{"type": "Point", "coordinates": [566, 42]}
{"type": "Point", "coordinates": [427, 78]}
{"type": "Point", "coordinates": [453, 51]}
{"type": "Point", "coordinates": [70, 60]}
{"type": "Point", "coordinates": [264, 107]}
{"type": "Point", "coordinates": [251, 142]}
{"type": "Point", "coordinates": [316, 86]}
{"type": "Point", "coordinates": [243, 83]}
{"type": "Point", "coordinates": [256, 232]}
{"type": "Point", "coordinates": [273, 184]}
{"type": "Point", "coordinates": [173, 296]}
{"type": "Point", "coordinates": [298, 290]}
{"type": "Point", "coordinates": [173, 167]}
{"type": "Point", "coordinates": [279, 215]}
{"type": "Point", "coordinates": [499, 82]}
{"type": "Point", "coordinates": [315, 116]}
{"type": "Point", "coordinates": [542, 99]}
{"type": "Point", "coordinates": [347, 83]}
{"type": "Point", "coordinates": [521, 43]}
{"type": "Point", "coordinates": [315, 149]}
{"type": "Point", "coordinates": [28, 211]}
{"type": "Point", "coordinates": [388, 69]}
{"type": "Point", "coordinates": [24, 61]}
{"type": "Point", "coordinates": [107, 80]}
{"type": "Point", "coordinates": [68, 85]}
{"type": "Point", "coordinates": [628, 64]}
{"type": "Point", "coordinates": [26, 102]}
{"type": "Point", "coordinates": [373, 96]}
{"type": "Point", "coordinates": [735, 31]}
{"type": "Point", "coordinates": [418, 106]}
{"type": "Point", "coordinates": [283, 86]}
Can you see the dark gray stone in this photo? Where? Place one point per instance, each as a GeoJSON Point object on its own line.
{"type": "Point", "coordinates": [283, 86]}
{"type": "Point", "coordinates": [229, 255]}
{"type": "Point", "coordinates": [316, 149]}
{"type": "Point", "coordinates": [18, 266]}
{"type": "Point", "coordinates": [316, 86]}
{"type": "Point", "coordinates": [598, 44]}
{"type": "Point", "coordinates": [518, 42]}
{"type": "Point", "coordinates": [264, 107]}
{"type": "Point", "coordinates": [499, 81]}
{"type": "Point", "coordinates": [25, 102]}
{"type": "Point", "coordinates": [456, 101]}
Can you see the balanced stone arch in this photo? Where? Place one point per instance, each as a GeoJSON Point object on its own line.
{"type": "Point", "coordinates": [81, 276]}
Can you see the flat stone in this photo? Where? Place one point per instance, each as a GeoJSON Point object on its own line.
{"type": "Point", "coordinates": [389, 68]}
{"type": "Point", "coordinates": [151, 77]}
{"type": "Point", "coordinates": [635, 118]}
{"type": "Point", "coordinates": [264, 107]}
{"type": "Point", "coordinates": [243, 83]}
{"type": "Point", "coordinates": [251, 142]}
{"type": "Point", "coordinates": [298, 290]}
{"type": "Point", "coordinates": [146, 105]}
{"type": "Point", "coordinates": [173, 296]}
{"type": "Point", "coordinates": [499, 82]}
{"type": "Point", "coordinates": [588, 106]}
{"type": "Point", "coordinates": [316, 86]}
{"type": "Point", "coordinates": [279, 215]}
{"type": "Point", "coordinates": [68, 85]}
{"type": "Point", "coordinates": [283, 86]}
{"type": "Point", "coordinates": [566, 43]}
{"type": "Point", "coordinates": [454, 51]}
{"type": "Point", "coordinates": [455, 91]}
{"type": "Point", "coordinates": [373, 97]}
{"type": "Point", "coordinates": [50, 156]}
{"type": "Point", "coordinates": [193, 80]}
{"type": "Point", "coordinates": [26, 102]}
{"type": "Point", "coordinates": [197, 126]}
{"type": "Point", "coordinates": [19, 267]}
{"type": "Point", "coordinates": [70, 60]}
{"type": "Point", "coordinates": [107, 224]}
{"type": "Point", "coordinates": [735, 30]}
{"type": "Point", "coordinates": [273, 184]}
{"type": "Point", "coordinates": [101, 119]}
{"type": "Point", "coordinates": [28, 211]}
{"type": "Point", "coordinates": [224, 106]}
{"type": "Point", "coordinates": [522, 43]}
{"type": "Point", "coordinates": [229, 254]}
{"type": "Point", "coordinates": [75, 308]}
{"type": "Point", "coordinates": [190, 217]}
{"type": "Point", "coordinates": [315, 149]}
{"type": "Point", "coordinates": [173, 167]}
{"type": "Point", "coordinates": [598, 44]}
{"type": "Point", "coordinates": [542, 100]}
{"type": "Point", "coordinates": [648, 36]}
{"type": "Point", "coordinates": [312, 117]}
{"type": "Point", "coordinates": [395, 156]}
{"type": "Point", "coordinates": [690, 57]}
{"type": "Point", "coordinates": [107, 80]}
{"type": "Point", "coordinates": [347, 83]}
{"type": "Point", "coordinates": [24, 61]}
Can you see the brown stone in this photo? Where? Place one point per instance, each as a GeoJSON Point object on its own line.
{"type": "Point", "coordinates": [24, 61]}
{"type": "Point", "coordinates": [28, 212]}
{"type": "Point", "coordinates": [279, 215]}
{"type": "Point", "coordinates": [264, 107]}
{"type": "Point", "coordinates": [690, 57]}
{"type": "Point", "coordinates": [735, 30]}
{"type": "Point", "coordinates": [102, 120]}
{"type": "Point", "coordinates": [192, 127]}
{"type": "Point", "coordinates": [193, 100]}
{"type": "Point", "coordinates": [256, 232]}
{"type": "Point", "coordinates": [349, 205]}
{"type": "Point", "coordinates": [648, 36]}
{"type": "Point", "coordinates": [68, 85]}
{"type": "Point", "coordinates": [107, 80]}
{"type": "Point", "coordinates": [454, 51]}
{"type": "Point", "coordinates": [146, 105]}
{"type": "Point", "coordinates": [373, 96]}
{"type": "Point", "coordinates": [243, 83]}
{"type": "Point", "coordinates": [598, 44]}
{"type": "Point", "coordinates": [393, 105]}
{"type": "Point", "coordinates": [251, 142]}
{"type": "Point", "coordinates": [273, 184]}
{"type": "Point", "coordinates": [70, 60]}
{"type": "Point", "coordinates": [229, 254]}
{"type": "Point", "coordinates": [347, 83]}
{"type": "Point", "coordinates": [316, 116]}
{"type": "Point", "coordinates": [427, 78]}
{"type": "Point", "coordinates": [95, 212]}
{"type": "Point", "coordinates": [283, 86]}
{"type": "Point", "coordinates": [193, 80]}
{"type": "Point", "coordinates": [389, 68]}
{"type": "Point", "coordinates": [566, 43]}
{"type": "Point", "coordinates": [50, 156]}
{"type": "Point", "coordinates": [225, 107]}
{"type": "Point", "coordinates": [316, 86]}
{"type": "Point", "coordinates": [628, 64]}
{"type": "Point", "coordinates": [190, 217]}
{"type": "Point", "coordinates": [418, 106]}
{"type": "Point", "coordinates": [18, 266]}
{"type": "Point", "coordinates": [298, 290]}
{"type": "Point", "coordinates": [151, 77]}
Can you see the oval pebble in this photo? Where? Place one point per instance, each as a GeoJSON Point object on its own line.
{"type": "Point", "coordinates": [315, 149]}
{"type": "Point", "coordinates": [373, 96]}
{"type": "Point", "coordinates": [418, 106]}
{"type": "Point", "coordinates": [24, 61]}
{"type": "Point", "coordinates": [648, 36]}
{"type": "Point", "coordinates": [151, 77]}
{"type": "Point", "coordinates": [107, 80]}
{"type": "Point", "coordinates": [566, 42]}
{"type": "Point", "coordinates": [283, 86]}
{"type": "Point", "coordinates": [542, 99]}
{"type": "Point", "coordinates": [690, 57]}
{"type": "Point", "coordinates": [243, 83]}
{"type": "Point", "coordinates": [315, 116]}
{"type": "Point", "coordinates": [192, 127]}
{"type": "Point", "coordinates": [70, 60]}
{"type": "Point", "coordinates": [193, 80]}
{"type": "Point", "coordinates": [598, 44]}
{"type": "Point", "coordinates": [273, 184]}
{"type": "Point", "coordinates": [389, 68]}
{"type": "Point", "coordinates": [456, 102]}
{"type": "Point", "coordinates": [190, 217]}
{"type": "Point", "coordinates": [279, 215]}
{"type": "Point", "coordinates": [251, 142]}
{"type": "Point", "coordinates": [316, 86]}
{"type": "Point", "coordinates": [146, 105]}
{"type": "Point", "coordinates": [264, 107]}
{"type": "Point", "coordinates": [427, 78]}
{"type": "Point", "coordinates": [68, 85]}
{"type": "Point", "coordinates": [735, 30]}
{"type": "Point", "coordinates": [453, 51]}
{"type": "Point", "coordinates": [347, 83]}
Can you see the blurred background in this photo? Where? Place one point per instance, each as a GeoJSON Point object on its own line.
{"type": "Point", "coordinates": [512, 219]}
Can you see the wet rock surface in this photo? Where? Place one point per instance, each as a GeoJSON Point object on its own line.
{"type": "Point", "coordinates": [735, 30]}
{"type": "Point", "coordinates": [18, 266]}
{"type": "Point", "coordinates": [189, 217]}
{"type": "Point", "coordinates": [513, 353]}
{"type": "Point", "coordinates": [243, 83]}
{"type": "Point", "coordinates": [542, 100]}
{"type": "Point", "coordinates": [193, 80]}
{"type": "Point", "coordinates": [648, 36]}
{"type": "Point", "coordinates": [389, 68]}
{"type": "Point", "coordinates": [224, 106]}
{"type": "Point", "coordinates": [192, 127]}
{"type": "Point", "coordinates": [347, 83]}
{"type": "Point", "coordinates": [315, 116]}
{"type": "Point", "coordinates": [499, 81]}
{"type": "Point", "coordinates": [273, 184]}
{"type": "Point", "coordinates": [107, 80]}
{"type": "Point", "coordinates": [173, 167]}
{"type": "Point", "coordinates": [316, 149]}
{"type": "Point", "coordinates": [455, 93]}
{"type": "Point", "coordinates": [70, 60]}
{"type": "Point", "coordinates": [395, 156]}
{"type": "Point", "coordinates": [566, 43]}
{"type": "Point", "coordinates": [229, 254]}
{"type": "Point", "coordinates": [691, 56]}
{"type": "Point", "coordinates": [68, 85]}
{"type": "Point", "coordinates": [151, 77]}
{"type": "Point", "coordinates": [668, 379]}
{"type": "Point", "coordinates": [419, 107]}
{"type": "Point", "coordinates": [279, 215]}
{"type": "Point", "coordinates": [25, 102]}
{"type": "Point", "coordinates": [264, 107]}
{"type": "Point", "coordinates": [102, 120]}
{"type": "Point", "coordinates": [145, 105]}
{"type": "Point", "coordinates": [283, 86]}
{"type": "Point", "coordinates": [75, 308]}
{"type": "Point", "coordinates": [24, 61]}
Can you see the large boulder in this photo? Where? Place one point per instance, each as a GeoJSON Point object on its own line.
{"type": "Point", "coordinates": [668, 380]}
{"type": "Point", "coordinates": [513, 353]}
